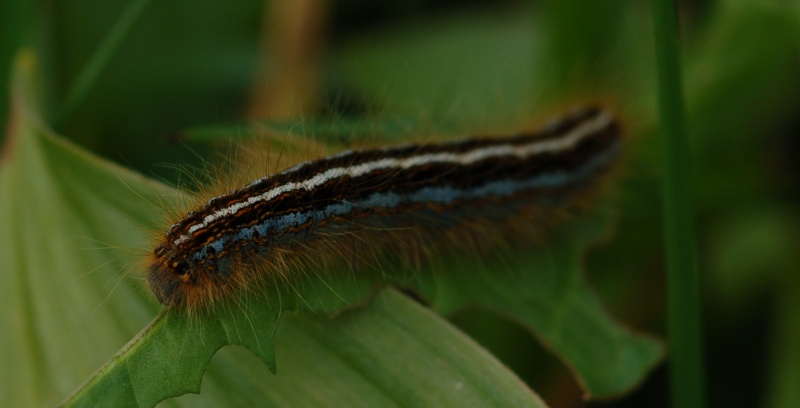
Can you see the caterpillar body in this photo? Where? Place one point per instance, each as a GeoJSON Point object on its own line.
{"type": "Point", "coordinates": [407, 198]}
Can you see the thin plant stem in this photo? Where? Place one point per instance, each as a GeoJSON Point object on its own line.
{"type": "Point", "coordinates": [683, 297]}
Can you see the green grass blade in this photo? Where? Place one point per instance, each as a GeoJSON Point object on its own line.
{"type": "Point", "coordinates": [687, 378]}
{"type": "Point", "coordinates": [99, 60]}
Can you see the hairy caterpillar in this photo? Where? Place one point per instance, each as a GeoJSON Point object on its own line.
{"type": "Point", "coordinates": [372, 199]}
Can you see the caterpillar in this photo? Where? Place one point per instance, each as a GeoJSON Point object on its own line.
{"type": "Point", "coordinates": [408, 198]}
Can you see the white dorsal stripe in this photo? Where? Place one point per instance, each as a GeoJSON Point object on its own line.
{"type": "Point", "coordinates": [465, 158]}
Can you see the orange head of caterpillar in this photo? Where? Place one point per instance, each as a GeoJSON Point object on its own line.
{"type": "Point", "coordinates": [200, 258]}
{"type": "Point", "coordinates": [185, 282]}
{"type": "Point", "coordinates": [169, 275]}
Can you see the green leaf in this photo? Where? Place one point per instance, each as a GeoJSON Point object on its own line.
{"type": "Point", "coordinates": [67, 301]}
{"type": "Point", "coordinates": [365, 357]}
{"type": "Point", "coordinates": [549, 296]}
{"type": "Point", "coordinates": [447, 368]}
